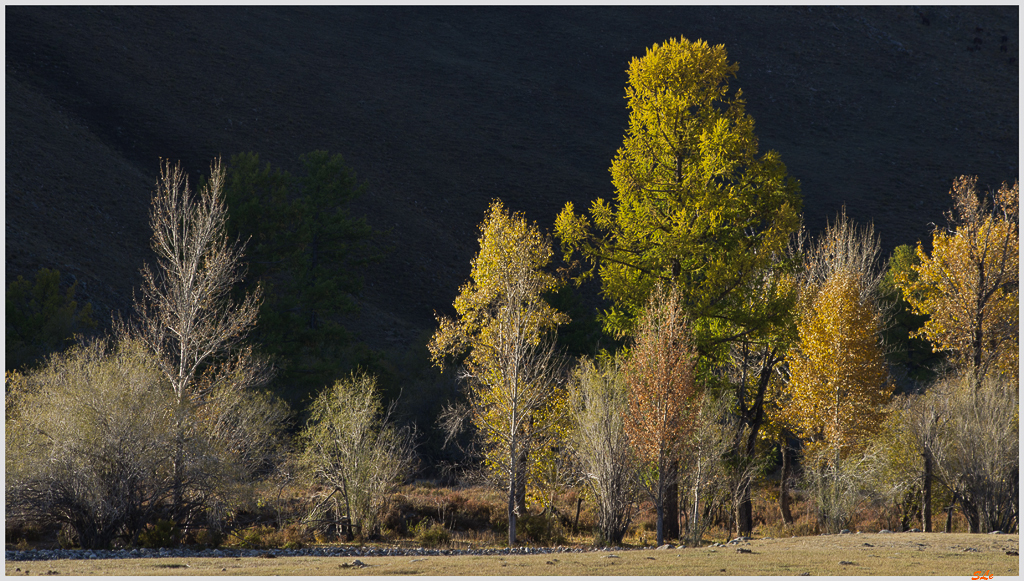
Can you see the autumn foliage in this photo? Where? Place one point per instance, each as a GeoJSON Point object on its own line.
{"type": "Point", "coordinates": [968, 285]}
{"type": "Point", "coordinates": [504, 330]}
{"type": "Point", "coordinates": [660, 376]}
{"type": "Point", "coordinates": [838, 380]}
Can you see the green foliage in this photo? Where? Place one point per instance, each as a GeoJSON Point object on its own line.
{"type": "Point", "coordinates": [40, 319]}
{"type": "Point", "coordinates": [431, 534]}
{"type": "Point", "coordinates": [905, 347]}
{"type": "Point", "coordinates": [694, 204]}
{"type": "Point", "coordinates": [305, 248]}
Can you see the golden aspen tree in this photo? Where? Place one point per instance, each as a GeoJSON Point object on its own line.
{"type": "Point", "coordinates": [968, 285]}
{"type": "Point", "coordinates": [838, 379]}
{"type": "Point", "coordinates": [505, 328]}
{"type": "Point", "coordinates": [660, 375]}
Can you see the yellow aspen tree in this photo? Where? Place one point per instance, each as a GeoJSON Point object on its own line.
{"type": "Point", "coordinates": [968, 285]}
{"type": "Point", "coordinates": [838, 379]}
{"type": "Point", "coordinates": [504, 328]}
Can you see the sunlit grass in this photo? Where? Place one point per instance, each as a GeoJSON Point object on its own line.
{"type": "Point", "coordinates": [865, 554]}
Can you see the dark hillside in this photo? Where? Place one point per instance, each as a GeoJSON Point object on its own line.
{"type": "Point", "coordinates": [442, 109]}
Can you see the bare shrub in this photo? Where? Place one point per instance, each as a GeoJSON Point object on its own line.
{"type": "Point", "coordinates": [89, 445]}
{"type": "Point", "coordinates": [836, 488]}
{"type": "Point", "coordinates": [599, 400]}
{"type": "Point", "coordinates": [979, 454]}
{"type": "Point", "coordinates": [351, 448]}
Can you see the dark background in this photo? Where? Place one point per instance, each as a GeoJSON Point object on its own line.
{"type": "Point", "coordinates": [440, 110]}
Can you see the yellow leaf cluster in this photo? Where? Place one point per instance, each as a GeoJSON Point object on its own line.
{"type": "Point", "coordinates": [838, 380]}
{"type": "Point", "coordinates": [968, 285]}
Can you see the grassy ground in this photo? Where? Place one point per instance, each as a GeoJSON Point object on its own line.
{"type": "Point", "coordinates": [864, 554]}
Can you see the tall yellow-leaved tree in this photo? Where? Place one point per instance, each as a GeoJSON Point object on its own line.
{"type": "Point", "coordinates": [838, 380]}
{"type": "Point", "coordinates": [505, 328]}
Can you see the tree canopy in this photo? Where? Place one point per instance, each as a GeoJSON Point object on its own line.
{"type": "Point", "coordinates": [694, 203]}
{"type": "Point", "coordinates": [968, 284]}
{"type": "Point", "coordinates": [304, 248]}
{"type": "Point", "coordinates": [838, 379]}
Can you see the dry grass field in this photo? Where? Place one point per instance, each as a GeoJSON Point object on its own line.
{"type": "Point", "coordinates": [893, 554]}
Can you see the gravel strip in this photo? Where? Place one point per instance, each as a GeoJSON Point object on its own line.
{"type": "Point", "coordinates": [54, 554]}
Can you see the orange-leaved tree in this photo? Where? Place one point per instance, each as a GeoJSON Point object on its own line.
{"type": "Point", "coordinates": [660, 375]}
{"type": "Point", "coordinates": [968, 285]}
{"type": "Point", "coordinates": [505, 329]}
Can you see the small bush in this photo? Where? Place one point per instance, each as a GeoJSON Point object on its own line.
{"type": "Point", "coordinates": [161, 535]}
{"type": "Point", "coordinates": [254, 537]}
{"type": "Point", "coordinates": [67, 538]}
{"type": "Point", "coordinates": [431, 534]}
{"type": "Point", "coordinates": [23, 533]}
{"type": "Point", "coordinates": [292, 536]}
{"type": "Point", "coordinates": [208, 537]}
{"type": "Point", "coordinates": [540, 529]}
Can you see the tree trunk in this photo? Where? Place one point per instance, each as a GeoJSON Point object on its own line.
{"type": "Point", "coordinates": [926, 508]}
{"type": "Point", "coordinates": [745, 511]}
{"type": "Point", "coordinates": [513, 494]}
{"type": "Point", "coordinates": [672, 503]}
{"type": "Point", "coordinates": [695, 521]}
{"type": "Point", "coordinates": [787, 469]}
{"type": "Point", "coordinates": [521, 469]}
{"type": "Point", "coordinates": [949, 519]}
{"type": "Point", "coordinates": [576, 521]}
{"type": "Point", "coordinates": [661, 522]}
{"type": "Point", "coordinates": [970, 510]}
{"type": "Point", "coordinates": [511, 520]}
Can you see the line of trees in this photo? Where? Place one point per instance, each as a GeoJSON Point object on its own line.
{"type": "Point", "coordinates": [743, 346]}
{"type": "Point", "coordinates": [742, 338]}
{"type": "Point", "coordinates": [169, 419]}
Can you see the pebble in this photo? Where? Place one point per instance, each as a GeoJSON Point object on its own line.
{"type": "Point", "coordinates": [79, 554]}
